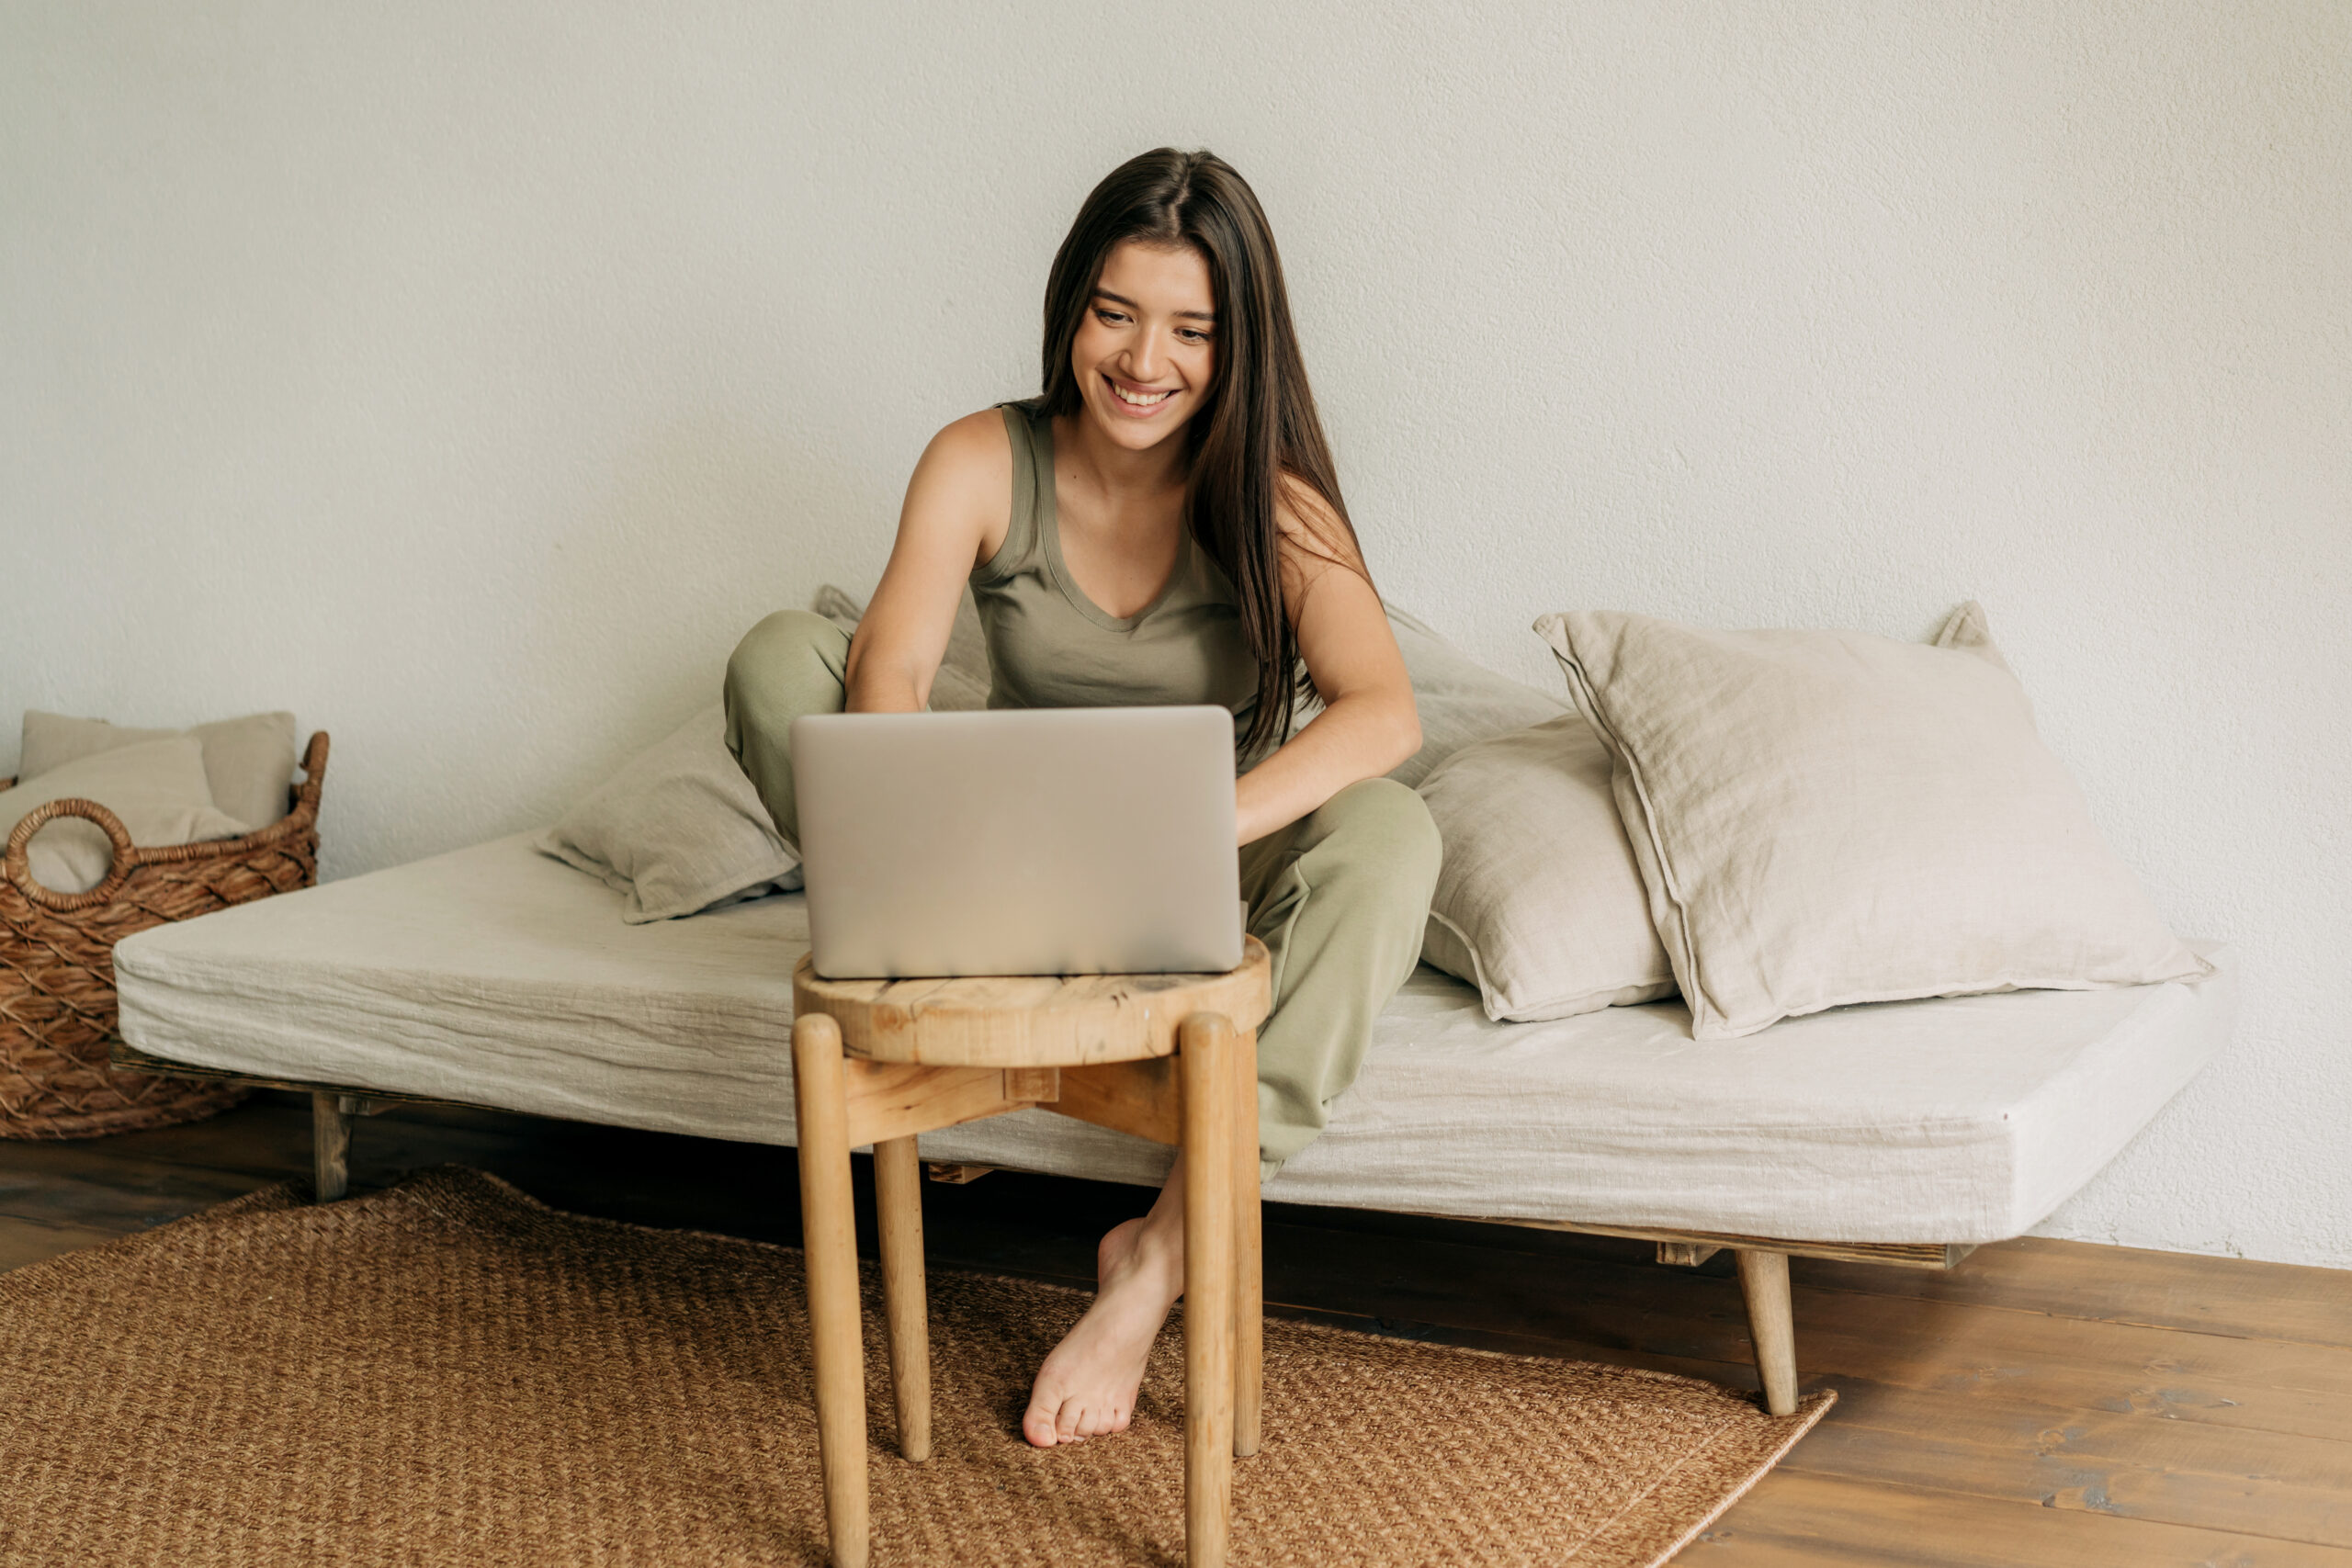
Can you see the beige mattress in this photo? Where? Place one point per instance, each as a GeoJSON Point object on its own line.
{"type": "Point", "coordinates": [497, 976]}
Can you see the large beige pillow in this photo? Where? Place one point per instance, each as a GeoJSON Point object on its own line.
{"type": "Point", "coordinates": [248, 763]}
{"type": "Point", "coordinates": [1829, 818]}
{"type": "Point", "coordinates": [156, 788]}
{"type": "Point", "coordinates": [679, 828]}
{"type": "Point", "coordinates": [1539, 903]}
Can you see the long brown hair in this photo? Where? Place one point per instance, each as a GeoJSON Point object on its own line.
{"type": "Point", "coordinates": [1260, 423]}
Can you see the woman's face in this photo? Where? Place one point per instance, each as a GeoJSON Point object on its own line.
{"type": "Point", "coordinates": [1145, 351]}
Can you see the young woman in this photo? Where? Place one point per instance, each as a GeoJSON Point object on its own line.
{"type": "Point", "coordinates": [1161, 525]}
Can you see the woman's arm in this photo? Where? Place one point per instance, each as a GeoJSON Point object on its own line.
{"type": "Point", "coordinates": [958, 505]}
{"type": "Point", "coordinates": [1368, 723]}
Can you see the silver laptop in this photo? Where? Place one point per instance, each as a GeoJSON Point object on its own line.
{"type": "Point", "coordinates": [1024, 841]}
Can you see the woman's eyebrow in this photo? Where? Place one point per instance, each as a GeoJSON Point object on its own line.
{"type": "Point", "coordinates": [1123, 299]}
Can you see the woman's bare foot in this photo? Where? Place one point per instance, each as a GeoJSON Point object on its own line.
{"type": "Point", "coordinates": [1087, 1387]}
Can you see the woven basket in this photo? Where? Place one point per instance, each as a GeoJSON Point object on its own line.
{"type": "Point", "coordinates": [57, 1001]}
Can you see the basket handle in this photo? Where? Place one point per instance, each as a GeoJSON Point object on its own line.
{"type": "Point", "coordinates": [17, 864]}
{"type": "Point", "coordinates": [314, 770]}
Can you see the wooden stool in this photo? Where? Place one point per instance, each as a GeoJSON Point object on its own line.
{"type": "Point", "coordinates": [1169, 1057]}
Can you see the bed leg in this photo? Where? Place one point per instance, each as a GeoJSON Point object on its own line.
{"type": "Point", "coordinates": [330, 1147]}
{"type": "Point", "coordinates": [1764, 1280]}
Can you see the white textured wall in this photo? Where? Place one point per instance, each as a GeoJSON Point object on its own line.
{"type": "Point", "coordinates": [467, 377]}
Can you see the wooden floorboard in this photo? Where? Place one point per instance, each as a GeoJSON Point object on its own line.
{"type": "Point", "coordinates": [1795, 1517]}
{"type": "Point", "coordinates": [1975, 1352]}
{"type": "Point", "coordinates": [2125, 1284]}
{"type": "Point", "coordinates": [150, 1194]}
{"type": "Point", "coordinates": [2124, 1467]}
{"type": "Point", "coordinates": [30, 1241]}
{"type": "Point", "coordinates": [2046, 1402]}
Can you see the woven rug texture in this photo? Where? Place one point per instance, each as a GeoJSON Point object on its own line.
{"type": "Point", "coordinates": [451, 1372]}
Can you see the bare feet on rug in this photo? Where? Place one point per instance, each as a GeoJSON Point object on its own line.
{"type": "Point", "coordinates": [1087, 1387]}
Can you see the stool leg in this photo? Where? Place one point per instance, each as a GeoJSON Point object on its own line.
{"type": "Point", "coordinates": [330, 1147]}
{"type": "Point", "coordinates": [898, 1190]}
{"type": "Point", "coordinates": [1250, 1253]}
{"type": "Point", "coordinates": [1207, 1057]}
{"type": "Point", "coordinates": [829, 1242]}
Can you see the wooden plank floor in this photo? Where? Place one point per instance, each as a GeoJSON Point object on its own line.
{"type": "Point", "coordinates": [2046, 1402]}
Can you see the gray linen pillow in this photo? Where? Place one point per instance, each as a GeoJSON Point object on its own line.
{"type": "Point", "coordinates": [961, 684]}
{"type": "Point", "coordinates": [1539, 902]}
{"type": "Point", "coordinates": [1460, 701]}
{"type": "Point", "coordinates": [679, 828]}
{"type": "Point", "coordinates": [156, 788]}
{"type": "Point", "coordinates": [248, 763]}
{"type": "Point", "coordinates": [1829, 818]}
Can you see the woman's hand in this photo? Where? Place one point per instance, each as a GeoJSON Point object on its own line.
{"type": "Point", "coordinates": [1368, 723]}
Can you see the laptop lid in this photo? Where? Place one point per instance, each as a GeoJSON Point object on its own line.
{"type": "Point", "coordinates": [1019, 841]}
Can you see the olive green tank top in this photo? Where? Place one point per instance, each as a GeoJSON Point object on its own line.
{"type": "Point", "coordinates": [1050, 646]}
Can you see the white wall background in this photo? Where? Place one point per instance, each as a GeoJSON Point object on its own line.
{"type": "Point", "coordinates": [467, 377]}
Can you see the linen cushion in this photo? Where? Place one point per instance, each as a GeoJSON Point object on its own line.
{"type": "Point", "coordinates": [1460, 700]}
{"type": "Point", "coordinates": [961, 684]}
{"type": "Point", "coordinates": [248, 761]}
{"type": "Point", "coordinates": [156, 788]}
{"type": "Point", "coordinates": [1539, 903]}
{"type": "Point", "coordinates": [1829, 818]}
{"type": "Point", "coordinates": [678, 829]}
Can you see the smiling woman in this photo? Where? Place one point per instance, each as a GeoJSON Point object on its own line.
{"type": "Point", "coordinates": [1161, 525]}
{"type": "Point", "coordinates": [1167, 279]}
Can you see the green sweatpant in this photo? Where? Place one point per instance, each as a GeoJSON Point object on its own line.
{"type": "Point", "coordinates": [1340, 897]}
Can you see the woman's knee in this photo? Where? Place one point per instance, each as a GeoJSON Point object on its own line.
{"type": "Point", "coordinates": [1382, 830]}
{"type": "Point", "coordinates": [783, 662]}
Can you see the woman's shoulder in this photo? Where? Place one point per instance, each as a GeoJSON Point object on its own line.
{"type": "Point", "coordinates": [970, 458]}
{"type": "Point", "coordinates": [979, 439]}
{"type": "Point", "coordinates": [962, 487]}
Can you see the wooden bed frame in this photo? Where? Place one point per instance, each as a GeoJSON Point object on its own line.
{"type": "Point", "coordinates": [1763, 1261]}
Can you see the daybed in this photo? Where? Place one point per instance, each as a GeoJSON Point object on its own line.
{"type": "Point", "coordinates": [1902, 1133]}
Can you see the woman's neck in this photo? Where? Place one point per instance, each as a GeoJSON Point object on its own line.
{"type": "Point", "coordinates": [1120, 474]}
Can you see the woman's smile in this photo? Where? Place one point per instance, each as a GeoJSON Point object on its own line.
{"type": "Point", "coordinates": [1139, 401]}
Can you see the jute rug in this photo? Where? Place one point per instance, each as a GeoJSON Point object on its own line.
{"type": "Point", "coordinates": [449, 1373]}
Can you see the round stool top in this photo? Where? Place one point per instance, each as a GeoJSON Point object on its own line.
{"type": "Point", "coordinates": [1032, 1020]}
